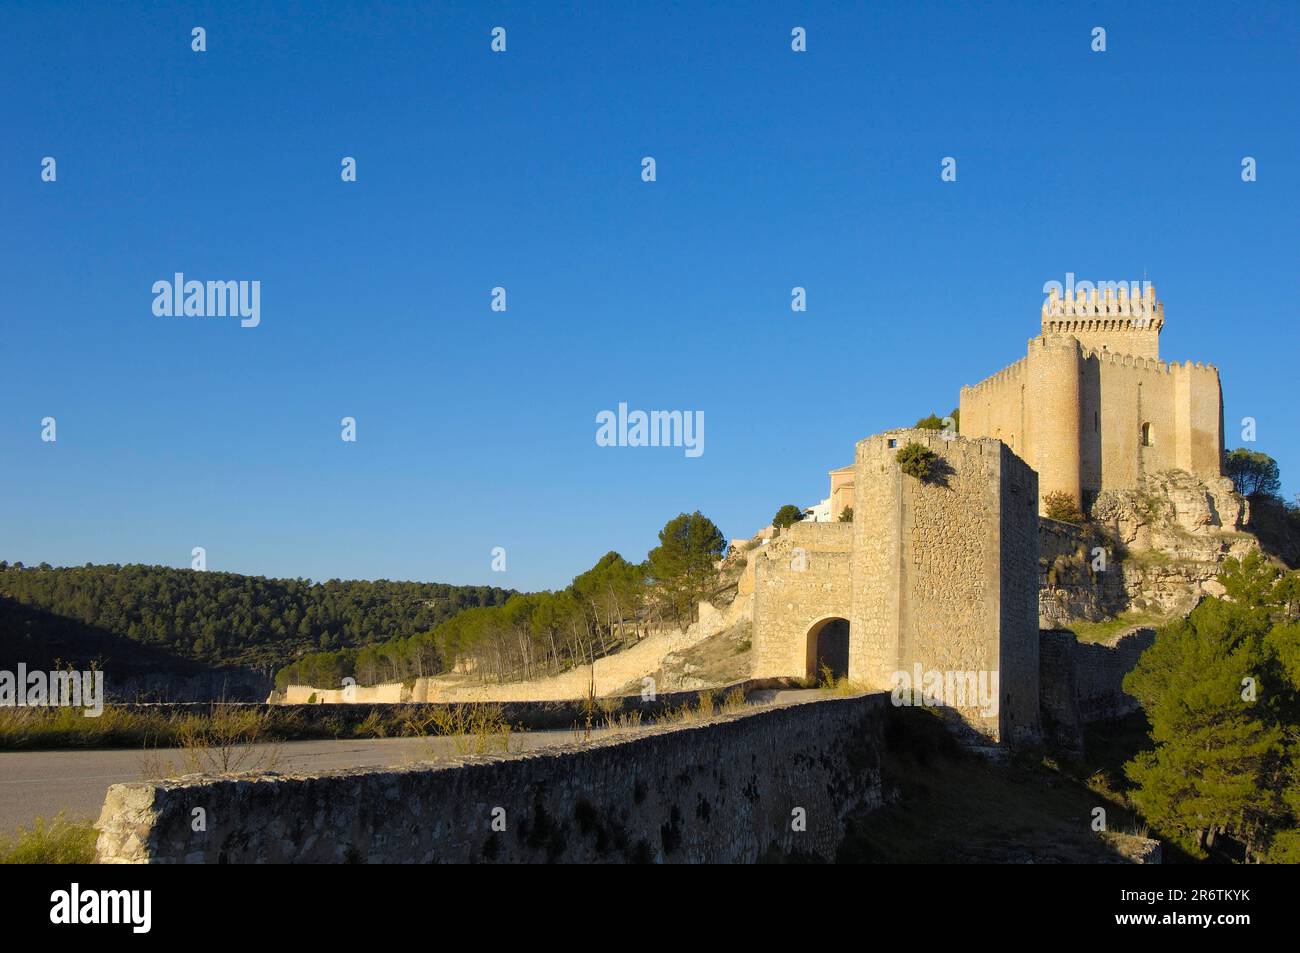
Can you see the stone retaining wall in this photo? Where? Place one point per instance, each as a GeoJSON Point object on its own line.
{"type": "Point", "coordinates": [727, 790]}
{"type": "Point", "coordinates": [1084, 681]}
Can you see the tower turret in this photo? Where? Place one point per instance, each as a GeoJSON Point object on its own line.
{"type": "Point", "coordinates": [1107, 317]}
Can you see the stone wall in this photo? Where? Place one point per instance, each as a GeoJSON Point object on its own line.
{"type": "Point", "coordinates": [1084, 681]}
{"type": "Point", "coordinates": [1077, 406]}
{"type": "Point", "coordinates": [1099, 670]}
{"type": "Point", "coordinates": [724, 791]}
{"type": "Point", "coordinates": [800, 579]}
{"type": "Point", "coordinates": [945, 573]}
{"type": "Point", "coordinates": [1181, 403]}
{"type": "Point", "coordinates": [1018, 542]}
{"type": "Point", "coordinates": [389, 693]}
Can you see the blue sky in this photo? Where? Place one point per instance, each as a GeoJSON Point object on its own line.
{"type": "Point", "coordinates": [775, 169]}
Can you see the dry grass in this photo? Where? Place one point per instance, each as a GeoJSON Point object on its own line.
{"type": "Point", "coordinates": [840, 685]}
{"type": "Point", "coordinates": [228, 741]}
{"type": "Point", "coordinates": [59, 841]}
{"type": "Point", "coordinates": [703, 709]}
{"type": "Point", "coordinates": [474, 729]}
{"type": "Point", "coordinates": [616, 720]}
{"type": "Point", "coordinates": [733, 701]}
{"type": "Point", "coordinates": [62, 727]}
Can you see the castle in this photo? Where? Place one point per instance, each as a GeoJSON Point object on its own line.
{"type": "Point", "coordinates": [1091, 406]}
{"type": "Point", "coordinates": [937, 579]}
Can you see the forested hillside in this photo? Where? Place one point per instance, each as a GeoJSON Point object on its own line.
{"type": "Point", "coordinates": [538, 634]}
{"type": "Point", "coordinates": [220, 618]}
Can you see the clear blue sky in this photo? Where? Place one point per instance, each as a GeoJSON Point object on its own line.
{"type": "Point", "coordinates": [477, 429]}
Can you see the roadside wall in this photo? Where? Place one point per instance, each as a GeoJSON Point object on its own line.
{"type": "Point", "coordinates": [723, 791]}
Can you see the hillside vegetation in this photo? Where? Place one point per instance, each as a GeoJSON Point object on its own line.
{"type": "Point", "coordinates": [540, 634]}
{"type": "Point", "coordinates": [213, 618]}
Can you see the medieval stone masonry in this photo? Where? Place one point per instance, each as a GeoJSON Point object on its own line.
{"type": "Point", "coordinates": [937, 575]}
{"type": "Point", "coordinates": [1092, 407]}
{"type": "Point", "coordinates": [942, 574]}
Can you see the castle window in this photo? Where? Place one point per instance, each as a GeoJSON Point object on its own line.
{"type": "Point", "coordinates": [893, 444]}
{"type": "Point", "coordinates": [1146, 435]}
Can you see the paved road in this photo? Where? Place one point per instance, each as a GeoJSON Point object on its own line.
{"type": "Point", "coordinates": [43, 783]}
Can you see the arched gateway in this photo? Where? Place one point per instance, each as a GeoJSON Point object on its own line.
{"type": "Point", "coordinates": [936, 573]}
{"type": "Point", "coordinates": [828, 648]}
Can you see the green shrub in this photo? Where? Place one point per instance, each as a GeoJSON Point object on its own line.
{"type": "Point", "coordinates": [917, 461]}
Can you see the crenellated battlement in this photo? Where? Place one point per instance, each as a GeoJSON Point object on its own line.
{"type": "Point", "coordinates": [1014, 371]}
{"type": "Point", "coordinates": [1092, 406]}
{"type": "Point", "coordinates": [1106, 317]}
{"type": "Point", "coordinates": [1110, 299]}
{"type": "Point", "coordinates": [1148, 363]}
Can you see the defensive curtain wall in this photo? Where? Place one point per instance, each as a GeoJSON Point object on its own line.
{"type": "Point", "coordinates": [932, 577]}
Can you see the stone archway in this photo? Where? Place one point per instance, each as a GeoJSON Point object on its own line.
{"type": "Point", "coordinates": [828, 647]}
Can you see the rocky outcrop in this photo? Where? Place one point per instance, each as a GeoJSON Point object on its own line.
{"type": "Point", "coordinates": [1173, 534]}
{"type": "Point", "coordinates": [718, 660]}
{"type": "Point", "coordinates": [1156, 549]}
{"type": "Point", "coordinates": [1175, 513]}
{"type": "Point", "coordinates": [1077, 577]}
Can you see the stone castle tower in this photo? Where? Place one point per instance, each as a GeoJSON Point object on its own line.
{"type": "Point", "coordinates": [933, 578]}
{"type": "Point", "coordinates": [1092, 407]}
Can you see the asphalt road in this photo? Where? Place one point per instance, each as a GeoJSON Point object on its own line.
{"type": "Point", "coordinates": [43, 783]}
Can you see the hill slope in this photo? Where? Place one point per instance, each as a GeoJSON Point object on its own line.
{"type": "Point", "coordinates": [155, 619]}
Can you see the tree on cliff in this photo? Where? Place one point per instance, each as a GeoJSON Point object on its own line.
{"type": "Point", "coordinates": [1221, 690]}
{"type": "Point", "coordinates": [787, 515]}
{"type": "Point", "coordinates": [1253, 473]}
{"type": "Point", "coordinates": [683, 564]}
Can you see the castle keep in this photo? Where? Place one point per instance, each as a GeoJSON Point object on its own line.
{"type": "Point", "coordinates": [1092, 407]}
